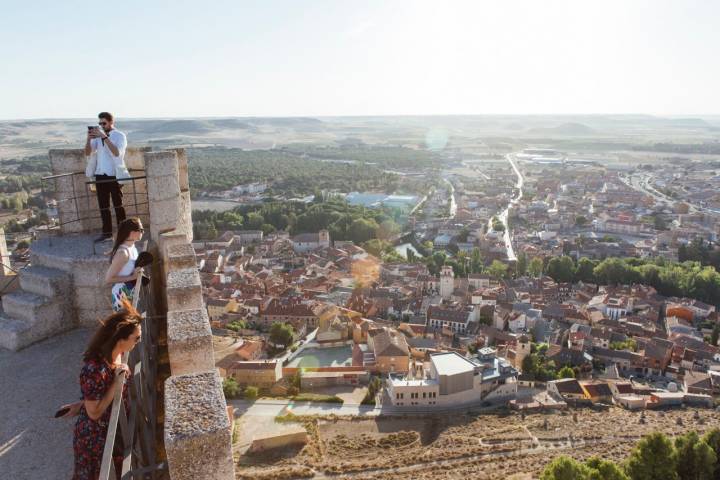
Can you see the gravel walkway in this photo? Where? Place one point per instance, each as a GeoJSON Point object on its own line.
{"type": "Point", "coordinates": [34, 382]}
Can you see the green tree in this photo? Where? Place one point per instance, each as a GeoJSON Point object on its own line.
{"type": "Point", "coordinates": [614, 271]}
{"type": "Point", "coordinates": [561, 269]}
{"type": "Point", "coordinates": [497, 269]}
{"type": "Point", "coordinates": [565, 468]}
{"type": "Point", "coordinates": [281, 334]}
{"type": "Point", "coordinates": [251, 393]}
{"type": "Point", "coordinates": [581, 221]}
{"type": "Point", "coordinates": [254, 221]}
{"type": "Point", "coordinates": [362, 230]}
{"type": "Point", "coordinates": [566, 372]}
{"type": "Point", "coordinates": [604, 470]}
{"type": "Point", "coordinates": [584, 271]}
{"type": "Point", "coordinates": [712, 438]}
{"type": "Point", "coordinates": [535, 268]}
{"type": "Point", "coordinates": [476, 261]}
{"type": "Point", "coordinates": [230, 387]}
{"type": "Point", "coordinates": [521, 264]}
{"type": "Point", "coordinates": [695, 458]}
{"type": "Point", "coordinates": [715, 334]}
{"type": "Point", "coordinates": [652, 458]}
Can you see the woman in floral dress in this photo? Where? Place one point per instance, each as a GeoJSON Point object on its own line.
{"type": "Point", "coordinates": [118, 333]}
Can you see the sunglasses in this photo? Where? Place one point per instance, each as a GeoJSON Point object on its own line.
{"type": "Point", "coordinates": [102, 124]}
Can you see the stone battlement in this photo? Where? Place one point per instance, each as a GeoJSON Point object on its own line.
{"type": "Point", "coordinates": [63, 289]}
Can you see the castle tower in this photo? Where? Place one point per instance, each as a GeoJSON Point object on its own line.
{"type": "Point", "coordinates": [447, 282]}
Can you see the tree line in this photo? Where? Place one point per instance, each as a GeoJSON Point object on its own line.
{"type": "Point", "coordinates": [342, 220]}
{"type": "Point", "coordinates": [288, 174]}
{"type": "Point", "coordinates": [655, 457]}
{"type": "Point", "coordinates": [669, 278]}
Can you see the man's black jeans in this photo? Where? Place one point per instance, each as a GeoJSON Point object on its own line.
{"type": "Point", "coordinates": [107, 187]}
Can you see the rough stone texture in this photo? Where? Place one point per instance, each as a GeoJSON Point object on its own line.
{"type": "Point", "coordinates": [135, 158]}
{"type": "Point", "coordinates": [34, 309]}
{"type": "Point", "coordinates": [184, 290]}
{"type": "Point", "coordinates": [163, 188]}
{"type": "Point", "coordinates": [77, 207]}
{"type": "Point", "coordinates": [45, 281]}
{"type": "Point", "coordinates": [35, 383]}
{"type": "Point", "coordinates": [185, 222]}
{"type": "Point", "coordinates": [170, 239]}
{"type": "Point", "coordinates": [183, 169]}
{"type": "Point", "coordinates": [189, 341]}
{"type": "Point", "coordinates": [197, 428]}
{"type": "Point", "coordinates": [164, 216]}
{"type": "Point", "coordinates": [160, 164]}
{"type": "Point", "coordinates": [181, 256]}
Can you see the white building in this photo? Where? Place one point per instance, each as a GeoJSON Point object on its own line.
{"type": "Point", "coordinates": [306, 242]}
{"type": "Point", "coordinates": [450, 379]}
{"type": "Point", "coordinates": [457, 320]}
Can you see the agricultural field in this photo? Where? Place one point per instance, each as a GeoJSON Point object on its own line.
{"type": "Point", "coordinates": [488, 446]}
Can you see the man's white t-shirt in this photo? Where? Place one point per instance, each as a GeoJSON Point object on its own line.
{"type": "Point", "coordinates": [106, 161]}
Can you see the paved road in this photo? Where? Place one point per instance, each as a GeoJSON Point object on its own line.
{"type": "Point", "coordinates": [507, 236]}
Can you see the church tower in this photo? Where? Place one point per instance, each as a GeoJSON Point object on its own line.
{"type": "Point", "coordinates": [447, 282]}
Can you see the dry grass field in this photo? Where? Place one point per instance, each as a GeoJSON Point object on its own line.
{"type": "Point", "coordinates": [455, 447]}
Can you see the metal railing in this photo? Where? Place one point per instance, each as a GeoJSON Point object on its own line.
{"type": "Point", "coordinates": [137, 421]}
{"type": "Point", "coordinates": [84, 200]}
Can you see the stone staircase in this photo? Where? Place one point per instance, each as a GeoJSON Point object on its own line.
{"type": "Point", "coordinates": [39, 309]}
{"type": "Point", "coordinates": [61, 271]}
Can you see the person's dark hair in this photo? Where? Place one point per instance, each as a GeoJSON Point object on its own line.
{"type": "Point", "coordinates": [118, 326]}
{"type": "Point", "coordinates": [106, 116]}
{"type": "Point", "coordinates": [125, 228]}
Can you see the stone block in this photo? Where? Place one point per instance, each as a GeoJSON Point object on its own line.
{"type": "Point", "coordinates": [90, 318]}
{"type": "Point", "coordinates": [183, 169]}
{"type": "Point", "coordinates": [184, 290]}
{"type": "Point", "coordinates": [164, 215]}
{"type": "Point", "coordinates": [185, 223]}
{"type": "Point", "coordinates": [164, 187]}
{"type": "Point", "coordinates": [189, 341]}
{"type": "Point", "coordinates": [96, 298]}
{"type": "Point", "coordinates": [135, 158]}
{"type": "Point", "coordinates": [90, 272]}
{"type": "Point", "coordinates": [67, 160]}
{"type": "Point", "coordinates": [160, 164]}
{"type": "Point", "coordinates": [181, 256]}
{"type": "Point", "coordinates": [197, 429]}
{"type": "Point", "coordinates": [170, 239]}
{"type": "Point", "coordinates": [49, 282]}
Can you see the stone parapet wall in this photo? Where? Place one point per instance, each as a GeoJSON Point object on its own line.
{"type": "Point", "coordinates": [197, 426]}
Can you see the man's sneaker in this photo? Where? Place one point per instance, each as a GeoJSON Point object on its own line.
{"type": "Point", "coordinates": [103, 237]}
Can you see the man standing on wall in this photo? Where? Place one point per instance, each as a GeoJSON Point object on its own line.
{"type": "Point", "coordinates": [109, 144]}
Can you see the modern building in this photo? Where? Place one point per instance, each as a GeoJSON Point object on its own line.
{"type": "Point", "coordinates": [449, 379]}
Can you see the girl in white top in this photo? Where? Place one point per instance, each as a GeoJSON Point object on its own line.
{"type": "Point", "coordinates": [122, 273]}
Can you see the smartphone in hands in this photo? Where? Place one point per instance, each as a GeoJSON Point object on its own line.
{"type": "Point", "coordinates": [63, 411]}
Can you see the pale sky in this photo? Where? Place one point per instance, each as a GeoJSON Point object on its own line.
{"type": "Point", "coordinates": [65, 59]}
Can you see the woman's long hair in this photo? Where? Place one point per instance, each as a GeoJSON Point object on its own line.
{"type": "Point", "coordinates": [118, 326]}
{"type": "Point", "coordinates": [125, 228]}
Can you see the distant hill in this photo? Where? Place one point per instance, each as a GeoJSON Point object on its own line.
{"type": "Point", "coordinates": [570, 128]}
